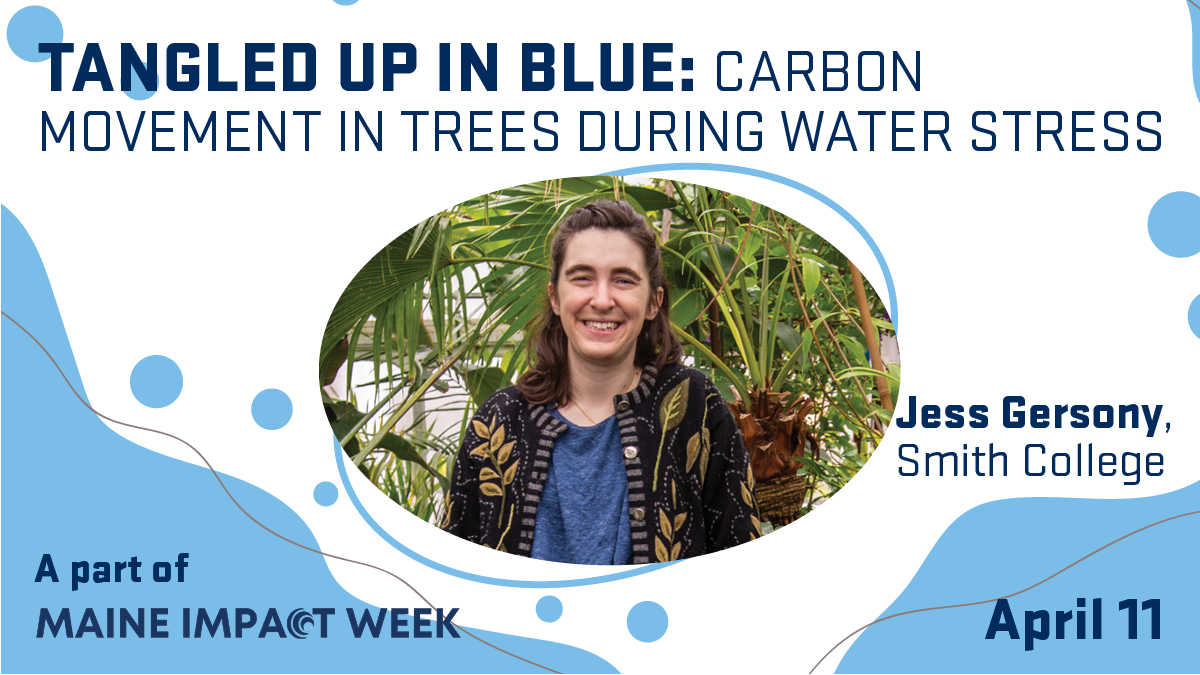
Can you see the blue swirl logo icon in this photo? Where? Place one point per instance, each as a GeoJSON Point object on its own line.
{"type": "Point", "coordinates": [299, 623]}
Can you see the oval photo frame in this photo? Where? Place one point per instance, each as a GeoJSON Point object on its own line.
{"type": "Point", "coordinates": [440, 320]}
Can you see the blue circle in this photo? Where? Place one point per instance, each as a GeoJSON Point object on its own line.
{"type": "Point", "coordinates": [271, 409]}
{"type": "Point", "coordinates": [156, 381]}
{"type": "Point", "coordinates": [344, 3]}
{"type": "Point", "coordinates": [325, 493]}
{"type": "Point", "coordinates": [31, 26]}
{"type": "Point", "coordinates": [1174, 224]}
{"type": "Point", "coordinates": [1194, 316]}
{"type": "Point", "coordinates": [549, 609]}
{"type": "Point", "coordinates": [647, 621]}
{"type": "Point", "coordinates": [137, 91]}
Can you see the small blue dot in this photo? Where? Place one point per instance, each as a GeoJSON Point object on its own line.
{"type": "Point", "coordinates": [29, 27]}
{"type": "Point", "coordinates": [549, 609]}
{"type": "Point", "coordinates": [325, 493]}
{"type": "Point", "coordinates": [1194, 316]}
{"type": "Point", "coordinates": [1174, 224]}
{"type": "Point", "coordinates": [137, 91]}
{"type": "Point", "coordinates": [271, 409]}
{"type": "Point", "coordinates": [647, 621]}
{"type": "Point", "coordinates": [156, 381]}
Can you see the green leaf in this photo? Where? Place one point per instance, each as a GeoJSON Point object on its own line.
{"type": "Point", "coordinates": [648, 198]}
{"type": "Point", "coordinates": [723, 385]}
{"type": "Point", "coordinates": [726, 254]}
{"type": "Point", "coordinates": [483, 381]}
{"type": "Point", "coordinates": [588, 184]}
{"type": "Point", "coordinates": [854, 349]}
{"type": "Point", "coordinates": [812, 275]}
{"type": "Point", "coordinates": [687, 306]}
{"type": "Point", "coordinates": [868, 372]}
{"type": "Point", "coordinates": [754, 241]}
{"type": "Point", "coordinates": [384, 277]}
{"type": "Point", "coordinates": [401, 448]}
{"type": "Point", "coordinates": [333, 362]}
{"type": "Point", "coordinates": [790, 337]}
{"type": "Point", "coordinates": [893, 377]}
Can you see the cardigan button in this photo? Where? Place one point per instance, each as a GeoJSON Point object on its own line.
{"type": "Point", "coordinates": [638, 514]}
{"type": "Point", "coordinates": [630, 452]}
{"type": "Point", "coordinates": [622, 406]}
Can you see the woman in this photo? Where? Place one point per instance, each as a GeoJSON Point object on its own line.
{"type": "Point", "coordinates": [609, 451]}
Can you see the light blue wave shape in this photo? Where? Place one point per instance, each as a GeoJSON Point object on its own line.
{"type": "Point", "coordinates": [1194, 12]}
{"type": "Point", "coordinates": [1005, 546]}
{"type": "Point", "coordinates": [73, 488]}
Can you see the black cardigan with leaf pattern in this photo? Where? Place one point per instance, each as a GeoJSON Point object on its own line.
{"type": "Point", "coordinates": [690, 487]}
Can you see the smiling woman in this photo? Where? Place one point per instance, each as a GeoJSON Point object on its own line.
{"type": "Point", "coordinates": [607, 311]}
{"type": "Point", "coordinates": [570, 369]}
{"type": "Point", "coordinates": [570, 451]}
{"type": "Point", "coordinates": [602, 297]}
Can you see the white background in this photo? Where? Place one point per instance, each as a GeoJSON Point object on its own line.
{"type": "Point", "coordinates": [1027, 273]}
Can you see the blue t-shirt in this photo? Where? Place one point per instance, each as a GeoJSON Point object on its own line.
{"type": "Point", "coordinates": [583, 516]}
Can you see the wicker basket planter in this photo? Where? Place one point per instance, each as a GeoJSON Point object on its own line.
{"type": "Point", "coordinates": [780, 499]}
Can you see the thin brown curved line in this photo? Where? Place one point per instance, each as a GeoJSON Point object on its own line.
{"type": "Point", "coordinates": [1003, 597]}
{"type": "Point", "coordinates": [243, 510]}
{"type": "Point", "coordinates": [1194, 4]}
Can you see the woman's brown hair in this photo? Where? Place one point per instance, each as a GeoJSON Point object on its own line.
{"type": "Point", "coordinates": [549, 380]}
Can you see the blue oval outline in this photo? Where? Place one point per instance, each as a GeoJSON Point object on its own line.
{"type": "Point", "coordinates": [652, 567]}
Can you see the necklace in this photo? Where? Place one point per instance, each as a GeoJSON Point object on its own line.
{"type": "Point", "coordinates": [636, 375]}
{"type": "Point", "coordinates": [589, 417]}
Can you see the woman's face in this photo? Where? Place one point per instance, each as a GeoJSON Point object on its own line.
{"type": "Point", "coordinates": [603, 297]}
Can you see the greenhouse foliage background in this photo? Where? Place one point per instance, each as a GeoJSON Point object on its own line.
{"type": "Point", "coordinates": [767, 308]}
